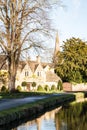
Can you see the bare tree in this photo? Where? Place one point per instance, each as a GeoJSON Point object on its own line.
{"type": "Point", "coordinates": [23, 24]}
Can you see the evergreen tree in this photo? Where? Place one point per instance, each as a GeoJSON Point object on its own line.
{"type": "Point", "coordinates": [71, 63]}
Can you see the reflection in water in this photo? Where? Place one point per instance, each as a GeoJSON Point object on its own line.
{"type": "Point", "coordinates": [73, 117]}
{"type": "Point", "coordinates": [45, 121]}
{"type": "Point", "coordinates": [68, 117]}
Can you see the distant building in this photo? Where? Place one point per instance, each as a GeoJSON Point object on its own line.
{"type": "Point", "coordinates": [36, 71]}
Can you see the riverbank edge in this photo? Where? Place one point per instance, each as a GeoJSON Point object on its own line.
{"type": "Point", "coordinates": [35, 109]}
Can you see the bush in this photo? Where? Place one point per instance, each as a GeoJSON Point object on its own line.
{"type": "Point", "coordinates": [79, 95]}
{"type": "Point", "coordinates": [40, 88]}
{"type": "Point", "coordinates": [46, 87]}
{"type": "Point", "coordinates": [34, 84]}
{"type": "Point", "coordinates": [60, 86]}
{"type": "Point", "coordinates": [3, 89]}
{"type": "Point", "coordinates": [53, 87]}
{"type": "Point", "coordinates": [19, 88]}
{"type": "Point", "coordinates": [24, 83]}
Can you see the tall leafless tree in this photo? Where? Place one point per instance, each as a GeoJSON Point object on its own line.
{"type": "Point", "coordinates": [23, 23]}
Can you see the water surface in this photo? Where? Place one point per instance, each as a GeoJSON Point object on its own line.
{"type": "Point", "coordinates": [67, 117]}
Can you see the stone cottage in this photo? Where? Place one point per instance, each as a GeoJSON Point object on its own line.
{"type": "Point", "coordinates": [36, 71]}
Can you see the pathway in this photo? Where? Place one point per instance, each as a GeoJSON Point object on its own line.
{"type": "Point", "coordinates": [10, 103]}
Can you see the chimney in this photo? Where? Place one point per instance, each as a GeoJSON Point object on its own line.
{"type": "Point", "coordinates": [38, 59]}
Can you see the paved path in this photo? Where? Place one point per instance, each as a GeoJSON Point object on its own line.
{"type": "Point", "coordinates": [10, 103]}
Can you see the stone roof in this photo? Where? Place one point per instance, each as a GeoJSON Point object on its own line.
{"type": "Point", "coordinates": [33, 64]}
{"type": "Point", "coordinates": [51, 77]}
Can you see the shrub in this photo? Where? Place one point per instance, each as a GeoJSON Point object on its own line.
{"type": "Point", "coordinates": [79, 95]}
{"type": "Point", "coordinates": [3, 89]}
{"type": "Point", "coordinates": [19, 88]}
{"type": "Point", "coordinates": [53, 87]}
{"type": "Point", "coordinates": [46, 87]}
{"type": "Point", "coordinates": [40, 88]}
{"type": "Point", "coordinates": [24, 83]}
{"type": "Point", "coordinates": [34, 84]}
{"type": "Point", "coordinates": [60, 86]}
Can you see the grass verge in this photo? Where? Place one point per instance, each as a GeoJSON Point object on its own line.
{"type": "Point", "coordinates": [34, 109]}
{"type": "Point", "coordinates": [7, 95]}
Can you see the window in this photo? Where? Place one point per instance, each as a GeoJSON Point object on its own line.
{"type": "Point", "coordinates": [26, 73]}
{"type": "Point", "coordinates": [38, 73]}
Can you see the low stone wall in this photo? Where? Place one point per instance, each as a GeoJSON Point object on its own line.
{"type": "Point", "coordinates": [67, 86]}
{"type": "Point", "coordinates": [74, 87]}
{"type": "Point", "coordinates": [79, 87]}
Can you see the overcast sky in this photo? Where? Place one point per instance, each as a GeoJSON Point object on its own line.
{"type": "Point", "coordinates": [71, 20]}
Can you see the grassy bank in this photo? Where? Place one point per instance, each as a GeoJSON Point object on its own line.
{"type": "Point", "coordinates": [17, 95]}
{"type": "Point", "coordinates": [7, 95]}
{"type": "Point", "coordinates": [34, 109]}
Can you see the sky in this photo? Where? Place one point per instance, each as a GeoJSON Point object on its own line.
{"type": "Point", "coordinates": [70, 19]}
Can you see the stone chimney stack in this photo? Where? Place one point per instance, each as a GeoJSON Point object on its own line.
{"type": "Point", "coordinates": [38, 59]}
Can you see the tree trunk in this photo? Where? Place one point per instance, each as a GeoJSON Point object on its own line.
{"type": "Point", "coordinates": [11, 83]}
{"type": "Point", "coordinates": [12, 71]}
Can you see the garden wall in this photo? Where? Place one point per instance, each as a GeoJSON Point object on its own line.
{"type": "Point", "coordinates": [74, 87]}
{"type": "Point", "coordinates": [79, 87]}
{"type": "Point", "coordinates": [67, 86]}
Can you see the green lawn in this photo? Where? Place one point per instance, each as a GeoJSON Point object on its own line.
{"type": "Point", "coordinates": [8, 95]}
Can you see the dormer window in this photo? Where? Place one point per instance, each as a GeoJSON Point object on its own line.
{"type": "Point", "coordinates": [39, 73]}
{"type": "Point", "coordinates": [26, 73]}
